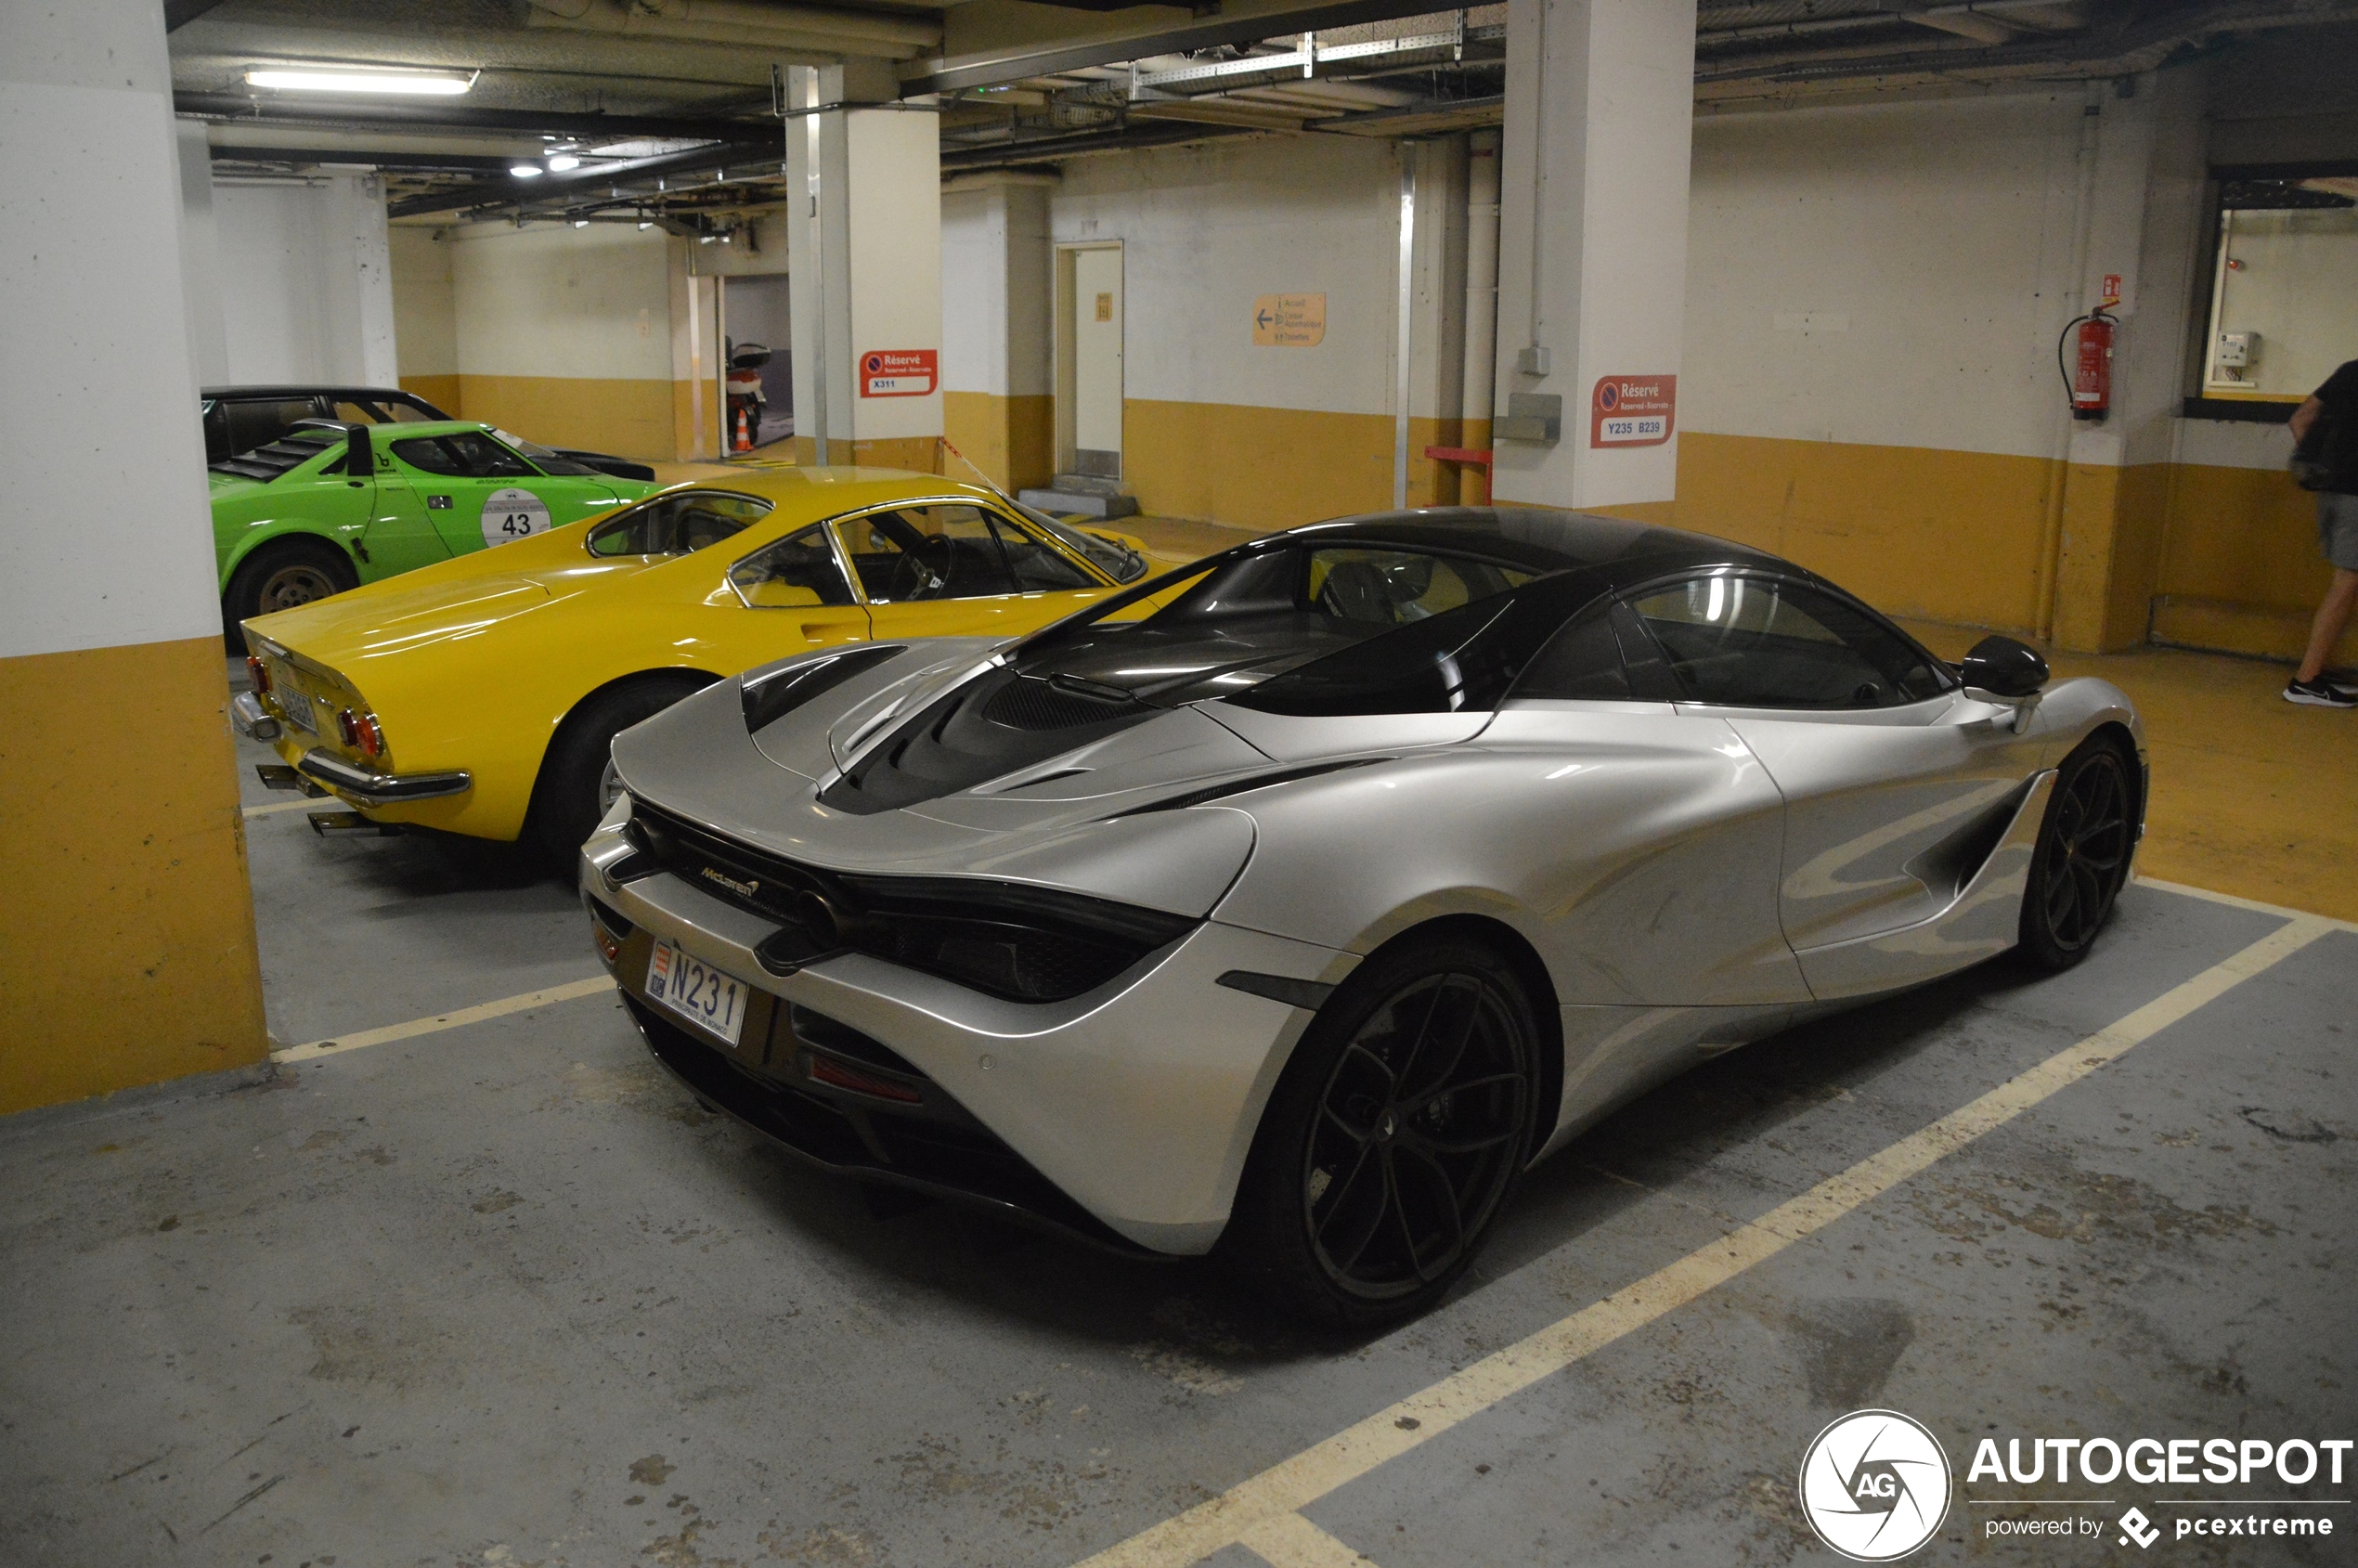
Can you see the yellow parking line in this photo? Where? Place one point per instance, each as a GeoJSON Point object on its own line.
{"type": "Point", "coordinates": [1287, 1540]}
{"type": "Point", "coordinates": [278, 806]}
{"type": "Point", "coordinates": [1241, 1514]}
{"type": "Point", "coordinates": [594, 986]}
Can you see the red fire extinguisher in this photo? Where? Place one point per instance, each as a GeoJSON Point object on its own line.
{"type": "Point", "coordinates": [2089, 376]}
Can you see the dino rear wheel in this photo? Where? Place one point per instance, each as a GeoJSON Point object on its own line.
{"type": "Point", "coordinates": [2082, 859]}
{"type": "Point", "coordinates": [577, 781]}
{"type": "Point", "coordinates": [1395, 1136]}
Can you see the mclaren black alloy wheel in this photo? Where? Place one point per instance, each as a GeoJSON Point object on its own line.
{"type": "Point", "coordinates": [2083, 858]}
{"type": "Point", "coordinates": [1395, 1136]}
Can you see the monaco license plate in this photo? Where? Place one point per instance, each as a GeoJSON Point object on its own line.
{"type": "Point", "coordinates": [703, 995]}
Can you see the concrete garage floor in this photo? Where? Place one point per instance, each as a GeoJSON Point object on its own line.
{"type": "Point", "coordinates": [502, 1294]}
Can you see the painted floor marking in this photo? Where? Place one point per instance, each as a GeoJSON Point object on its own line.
{"type": "Point", "coordinates": [1254, 1509]}
{"type": "Point", "coordinates": [306, 804]}
{"type": "Point", "coordinates": [1287, 1540]}
{"type": "Point", "coordinates": [596, 985]}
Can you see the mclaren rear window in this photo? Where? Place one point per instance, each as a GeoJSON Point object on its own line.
{"type": "Point", "coordinates": [286, 454]}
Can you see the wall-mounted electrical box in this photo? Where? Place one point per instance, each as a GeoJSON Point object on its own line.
{"type": "Point", "coordinates": [2237, 350]}
{"type": "Point", "coordinates": [1531, 416]}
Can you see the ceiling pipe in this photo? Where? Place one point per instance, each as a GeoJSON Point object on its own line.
{"type": "Point", "coordinates": [1018, 65]}
{"type": "Point", "coordinates": [794, 27]}
{"type": "Point", "coordinates": [769, 155]}
{"type": "Point", "coordinates": [453, 117]}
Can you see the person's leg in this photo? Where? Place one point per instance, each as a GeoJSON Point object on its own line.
{"type": "Point", "coordinates": [2337, 536]}
{"type": "Point", "coordinates": [2325, 630]}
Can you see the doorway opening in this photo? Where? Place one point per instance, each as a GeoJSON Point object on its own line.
{"type": "Point", "coordinates": [1089, 379]}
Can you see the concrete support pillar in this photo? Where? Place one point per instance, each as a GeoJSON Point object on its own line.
{"type": "Point", "coordinates": [304, 279]}
{"type": "Point", "coordinates": [998, 349]}
{"type": "Point", "coordinates": [1434, 175]}
{"type": "Point", "coordinates": [129, 938]}
{"type": "Point", "coordinates": [200, 256]}
{"type": "Point", "coordinates": [865, 245]}
{"type": "Point", "coordinates": [2142, 198]}
{"type": "Point", "coordinates": [1592, 248]}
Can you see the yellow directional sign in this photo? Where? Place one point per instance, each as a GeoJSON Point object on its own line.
{"type": "Point", "coordinates": [1289, 320]}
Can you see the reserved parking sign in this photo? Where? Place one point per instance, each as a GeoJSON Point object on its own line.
{"type": "Point", "coordinates": [1632, 411]}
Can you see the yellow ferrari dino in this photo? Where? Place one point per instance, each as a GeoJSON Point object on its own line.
{"type": "Point", "coordinates": [481, 696]}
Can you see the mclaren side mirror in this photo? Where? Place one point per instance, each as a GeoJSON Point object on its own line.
{"type": "Point", "coordinates": [2001, 670]}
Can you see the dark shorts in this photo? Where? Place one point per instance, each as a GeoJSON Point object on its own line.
{"type": "Point", "coordinates": [2338, 528]}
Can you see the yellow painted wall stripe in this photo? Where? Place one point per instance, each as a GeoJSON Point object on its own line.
{"type": "Point", "coordinates": [1293, 1484]}
{"type": "Point", "coordinates": [595, 985]}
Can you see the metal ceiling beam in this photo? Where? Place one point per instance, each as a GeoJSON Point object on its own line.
{"type": "Point", "coordinates": [178, 14]}
{"type": "Point", "coordinates": [453, 117]}
{"type": "Point", "coordinates": [510, 191]}
{"type": "Point", "coordinates": [998, 70]}
{"type": "Point", "coordinates": [374, 158]}
{"type": "Point", "coordinates": [1036, 149]}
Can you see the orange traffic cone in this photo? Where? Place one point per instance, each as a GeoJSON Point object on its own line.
{"type": "Point", "coordinates": [743, 440]}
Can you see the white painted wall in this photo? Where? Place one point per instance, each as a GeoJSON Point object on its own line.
{"type": "Point", "coordinates": [306, 281]}
{"type": "Point", "coordinates": [108, 541]}
{"type": "Point", "coordinates": [424, 302]}
{"type": "Point", "coordinates": [200, 255]}
{"type": "Point", "coordinates": [997, 286]}
{"type": "Point", "coordinates": [1206, 229]}
{"type": "Point", "coordinates": [558, 301]}
{"type": "Point", "coordinates": [1890, 274]}
{"type": "Point", "coordinates": [977, 294]}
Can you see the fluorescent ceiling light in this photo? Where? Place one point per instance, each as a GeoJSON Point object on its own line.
{"type": "Point", "coordinates": [524, 170]}
{"type": "Point", "coordinates": [351, 79]}
{"type": "Point", "coordinates": [559, 161]}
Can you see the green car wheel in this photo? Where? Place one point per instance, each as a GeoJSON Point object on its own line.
{"type": "Point", "coordinates": [285, 574]}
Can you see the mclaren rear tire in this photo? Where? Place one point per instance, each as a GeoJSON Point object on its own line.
{"type": "Point", "coordinates": [1396, 1137]}
{"type": "Point", "coordinates": [2082, 856]}
{"type": "Point", "coordinates": [577, 781]}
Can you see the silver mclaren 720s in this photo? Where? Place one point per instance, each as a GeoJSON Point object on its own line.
{"type": "Point", "coordinates": [1294, 902]}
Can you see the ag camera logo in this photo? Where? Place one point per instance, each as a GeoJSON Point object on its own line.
{"type": "Point", "coordinates": [1875, 1485]}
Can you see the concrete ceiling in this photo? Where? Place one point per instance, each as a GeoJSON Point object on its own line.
{"type": "Point", "coordinates": [674, 92]}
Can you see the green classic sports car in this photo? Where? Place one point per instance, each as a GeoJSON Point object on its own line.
{"type": "Point", "coordinates": [328, 506]}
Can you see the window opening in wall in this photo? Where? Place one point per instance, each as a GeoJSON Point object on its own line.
{"type": "Point", "coordinates": [2283, 298]}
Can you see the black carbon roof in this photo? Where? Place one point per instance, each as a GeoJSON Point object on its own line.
{"type": "Point", "coordinates": [1539, 538]}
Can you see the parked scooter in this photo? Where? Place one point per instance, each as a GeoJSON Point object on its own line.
{"type": "Point", "coordinates": [745, 403]}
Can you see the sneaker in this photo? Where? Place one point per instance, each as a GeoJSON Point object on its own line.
{"type": "Point", "coordinates": [2319, 694]}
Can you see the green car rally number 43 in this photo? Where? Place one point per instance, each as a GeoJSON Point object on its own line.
{"type": "Point", "coordinates": [328, 507]}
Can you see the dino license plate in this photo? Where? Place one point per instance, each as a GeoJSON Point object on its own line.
{"type": "Point", "coordinates": [712, 1001]}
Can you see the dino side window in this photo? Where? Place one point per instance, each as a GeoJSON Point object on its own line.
{"type": "Point", "coordinates": [797, 571]}
{"type": "Point", "coordinates": [677, 525]}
